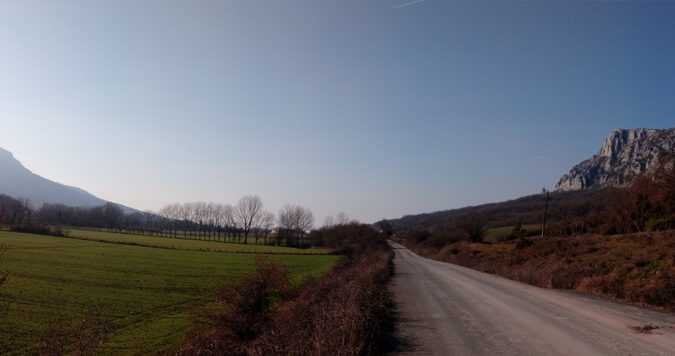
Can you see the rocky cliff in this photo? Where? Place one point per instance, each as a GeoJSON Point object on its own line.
{"type": "Point", "coordinates": [625, 155]}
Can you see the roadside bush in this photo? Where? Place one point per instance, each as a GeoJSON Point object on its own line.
{"type": "Point", "coordinates": [419, 235]}
{"type": "Point", "coordinates": [609, 229]}
{"type": "Point", "coordinates": [517, 232]}
{"type": "Point", "coordinates": [661, 224]}
{"type": "Point", "coordinates": [474, 225]}
{"type": "Point", "coordinates": [442, 239]}
{"type": "Point", "coordinates": [523, 243]}
{"type": "Point", "coordinates": [248, 304]}
{"type": "Point", "coordinates": [349, 239]}
{"type": "Point", "coordinates": [344, 313]}
{"type": "Point", "coordinates": [82, 337]}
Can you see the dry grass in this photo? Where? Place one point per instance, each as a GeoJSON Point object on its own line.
{"type": "Point", "coordinates": [638, 268]}
{"type": "Point", "coordinates": [342, 314]}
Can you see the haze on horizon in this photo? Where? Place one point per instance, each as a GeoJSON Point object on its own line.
{"type": "Point", "coordinates": [367, 107]}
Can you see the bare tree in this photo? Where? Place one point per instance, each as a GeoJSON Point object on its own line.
{"type": "Point", "coordinates": [305, 219]}
{"type": "Point", "coordinates": [265, 223]}
{"type": "Point", "coordinates": [295, 220]}
{"type": "Point", "coordinates": [228, 219]}
{"type": "Point", "coordinates": [247, 212]}
{"type": "Point", "coordinates": [172, 214]}
{"type": "Point", "coordinates": [473, 224]}
{"type": "Point", "coordinates": [341, 218]}
{"type": "Point", "coordinates": [386, 227]}
{"type": "Point", "coordinates": [220, 217]}
{"type": "Point", "coordinates": [213, 210]}
{"type": "Point", "coordinates": [112, 215]}
{"type": "Point", "coordinates": [328, 222]}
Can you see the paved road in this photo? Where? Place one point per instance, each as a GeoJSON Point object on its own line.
{"type": "Point", "coordinates": [445, 309]}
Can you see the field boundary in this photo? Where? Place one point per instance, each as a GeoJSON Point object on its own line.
{"type": "Point", "coordinates": [132, 243]}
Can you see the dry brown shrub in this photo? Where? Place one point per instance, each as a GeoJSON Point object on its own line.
{"type": "Point", "coordinates": [344, 313]}
{"type": "Point", "coordinates": [638, 268]}
{"type": "Point", "coordinates": [243, 310]}
{"type": "Point", "coordinates": [249, 303]}
{"type": "Point", "coordinates": [77, 337]}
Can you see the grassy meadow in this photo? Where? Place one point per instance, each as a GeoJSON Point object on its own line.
{"type": "Point", "coordinates": [151, 296]}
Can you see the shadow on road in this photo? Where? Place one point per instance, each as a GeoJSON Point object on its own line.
{"type": "Point", "coordinates": [394, 342]}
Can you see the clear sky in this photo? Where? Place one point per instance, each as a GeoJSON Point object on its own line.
{"type": "Point", "coordinates": [375, 108]}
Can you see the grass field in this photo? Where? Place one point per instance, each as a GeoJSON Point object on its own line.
{"type": "Point", "coordinates": [151, 294]}
{"type": "Point", "coordinates": [182, 244]}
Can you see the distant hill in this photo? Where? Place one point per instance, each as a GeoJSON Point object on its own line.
{"type": "Point", "coordinates": [19, 182]}
{"type": "Point", "coordinates": [625, 155]}
{"type": "Point", "coordinates": [526, 210]}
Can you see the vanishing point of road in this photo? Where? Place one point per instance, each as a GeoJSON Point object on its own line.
{"type": "Point", "coordinates": [445, 309]}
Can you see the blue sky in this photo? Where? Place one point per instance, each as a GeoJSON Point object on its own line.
{"type": "Point", "coordinates": [367, 107]}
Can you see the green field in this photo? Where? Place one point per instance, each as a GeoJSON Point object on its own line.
{"type": "Point", "coordinates": [183, 244]}
{"type": "Point", "coordinates": [151, 294]}
{"type": "Point", "coordinates": [505, 230]}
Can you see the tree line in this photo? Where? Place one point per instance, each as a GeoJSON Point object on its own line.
{"type": "Point", "coordinates": [244, 222]}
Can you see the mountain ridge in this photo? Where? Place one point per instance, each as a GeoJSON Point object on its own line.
{"type": "Point", "coordinates": [19, 182]}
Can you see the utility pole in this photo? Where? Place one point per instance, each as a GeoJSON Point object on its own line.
{"type": "Point", "coordinates": [543, 226]}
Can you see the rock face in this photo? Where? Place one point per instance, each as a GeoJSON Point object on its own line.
{"type": "Point", "coordinates": [625, 155]}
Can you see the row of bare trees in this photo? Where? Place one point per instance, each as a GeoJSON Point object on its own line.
{"type": "Point", "coordinates": [248, 217]}
{"type": "Point", "coordinates": [211, 219]}
{"type": "Point", "coordinates": [338, 220]}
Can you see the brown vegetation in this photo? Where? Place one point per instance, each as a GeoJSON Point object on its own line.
{"type": "Point", "coordinates": [622, 250]}
{"type": "Point", "coordinates": [64, 336]}
{"type": "Point", "coordinates": [246, 306]}
{"type": "Point", "coordinates": [638, 267]}
{"type": "Point", "coordinates": [344, 313]}
{"type": "Point", "coordinates": [473, 224]}
{"type": "Point", "coordinates": [646, 329]}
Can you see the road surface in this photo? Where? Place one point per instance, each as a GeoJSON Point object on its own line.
{"type": "Point", "coordinates": [445, 309]}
